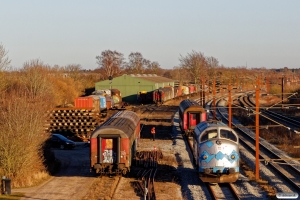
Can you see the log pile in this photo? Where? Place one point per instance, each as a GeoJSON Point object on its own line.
{"type": "Point", "coordinates": [70, 122]}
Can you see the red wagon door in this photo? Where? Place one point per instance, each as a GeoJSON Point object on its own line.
{"type": "Point", "coordinates": [109, 150]}
{"type": "Point", "coordinates": [194, 119]}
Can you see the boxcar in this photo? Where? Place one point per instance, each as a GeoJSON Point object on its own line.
{"type": "Point", "coordinates": [190, 114]}
{"type": "Point", "coordinates": [178, 91]}
{"type": "Point", "coordinates": [90, 102]}
{"type": "Point", "coordinates": [192, 89]}
{"type": "Point", "coordinates": [113, 144]}
{"type": "Point", "coordinates": [185, 90]}
{"type": "Point", "coordinates": [162, 95]}
{"type": "Point", "coordinates": [109, 102]}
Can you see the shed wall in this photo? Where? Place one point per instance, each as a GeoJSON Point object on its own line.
{"type": "Point", "coordinates": [130, 86]}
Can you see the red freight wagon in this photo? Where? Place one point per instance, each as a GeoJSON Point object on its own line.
{"type": "Point", "coordinates": [190, 114]}
{"type": "Point", "coordinates": [178, 91]}
{"type": "Point", "coordinates": [92, 102]}
{"type": "Point", "coordinates": [192, 89]}
{"type": "Point", "coordinates": [113, 144]}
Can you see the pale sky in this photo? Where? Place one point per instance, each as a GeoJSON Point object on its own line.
{"type": "Point", "coordinates": [256, 33]}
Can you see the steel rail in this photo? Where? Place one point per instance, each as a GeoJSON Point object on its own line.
{"type": "Point", "coordinates": [262, 155]}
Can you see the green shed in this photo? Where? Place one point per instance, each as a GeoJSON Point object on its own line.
{"type": "Point", "coordinates": [130, 85]}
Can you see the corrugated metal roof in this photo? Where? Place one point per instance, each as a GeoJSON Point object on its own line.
{"type": "Point", "coordinates": [152, 78]}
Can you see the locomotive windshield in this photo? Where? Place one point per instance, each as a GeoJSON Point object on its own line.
{"type": "Point", "coordinates": [209, 135]}
{"type": "Point", "coordinates": [228, 135]}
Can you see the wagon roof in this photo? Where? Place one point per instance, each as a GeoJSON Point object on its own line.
{"type": "Point", "coordinates": [116, 126]}
{"type": "Point", "coordinates": [188, 105]}
{"type": "Point", "coordinates": [127, 114]}
{"type": "Point", "coordinates": [123, 123]}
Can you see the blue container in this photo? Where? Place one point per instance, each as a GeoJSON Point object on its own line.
{"type": "Point", "coordinates": [102, 102]}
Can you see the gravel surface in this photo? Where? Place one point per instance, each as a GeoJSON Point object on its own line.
{"type": "Point", "coordinates": [191, 186]}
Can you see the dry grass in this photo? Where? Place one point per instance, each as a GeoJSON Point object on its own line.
{"type": "Point", "coordinates": [33, 180]}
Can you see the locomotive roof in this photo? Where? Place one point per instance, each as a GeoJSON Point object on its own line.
{"type": "Point", "coordinates": [123, 123]}
{"type": "Point", "coordinates": [190, 105]}
{"type": "Point", "coordinates": [210, 124]}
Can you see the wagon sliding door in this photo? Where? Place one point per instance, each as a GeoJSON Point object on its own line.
{"type": "Point", "coordinates": [109, 149]}
{"type": "Point", "coordinates": [193, 119]}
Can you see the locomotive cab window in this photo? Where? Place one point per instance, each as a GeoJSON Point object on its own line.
{"type": "Point", "coordinates": [228, 135]}
{"type": "Point", "coordinates": [209, 135]}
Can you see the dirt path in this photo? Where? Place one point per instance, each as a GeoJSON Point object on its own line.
{"type": "Point", "coordinates": [72, 182]}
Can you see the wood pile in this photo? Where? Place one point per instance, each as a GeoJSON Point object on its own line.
{"type": "Point", "coordinates": [78, 122]}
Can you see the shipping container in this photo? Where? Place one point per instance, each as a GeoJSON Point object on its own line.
{"type": "Point", "coordinates": [92, 101]}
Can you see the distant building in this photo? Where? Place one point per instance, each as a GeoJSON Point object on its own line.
{"type": "Point", "coordinates": [131, 85]}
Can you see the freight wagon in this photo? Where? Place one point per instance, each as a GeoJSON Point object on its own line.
{"type": "Point", "coordinates": [113, 144]}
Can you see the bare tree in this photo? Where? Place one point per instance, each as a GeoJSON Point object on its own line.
{"type": "Point", "coordinates": [154, 68]}
{"type": "Point", "coordinates": [4, 60]}
{"type": "Point", "coordinates": [111, 62]}
{"type": "Point", "coordinates": [195, 63]}
{"type": "Point", "coordinates": [34, 78]}
{"type": "Point", "coordinates": [4, 63]}
{"type": "Point", "coordinates": [213, 64]}
{"type": "Point", "coordinates": [137, 64]}
{"type": "Point", "coordinates": [74, 71]}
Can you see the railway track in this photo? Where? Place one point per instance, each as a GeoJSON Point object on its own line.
{"type": "Point", "coordinates": [146, 185]}
{"type": "Point", "coordinates": [284, 166]}
{"type": "Point", "coordinates": [217, 190]}
{"type": "Point", "coordinates": [150, 113]}
{"type": "Point", "coordinates": [223, 191]}
{"type": "Point", "coordinates": [148, 163]}
{"type": "Point", "coordinates": [273, 116]}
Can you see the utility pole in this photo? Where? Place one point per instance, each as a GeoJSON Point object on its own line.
{"type": "Point", "coordinates": [214, 99]}
{"type": "Point", "coordinates": [229, 106]}
{"type": "Point", "coordinates": [282, 81]}
{"type": "Point", "coordinates": [203, 92]}
{"type": "Point", "coordinates": [257, 129]}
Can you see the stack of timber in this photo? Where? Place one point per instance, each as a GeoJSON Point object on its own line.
{"type": "Point", "coordinates": [79, 122]}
